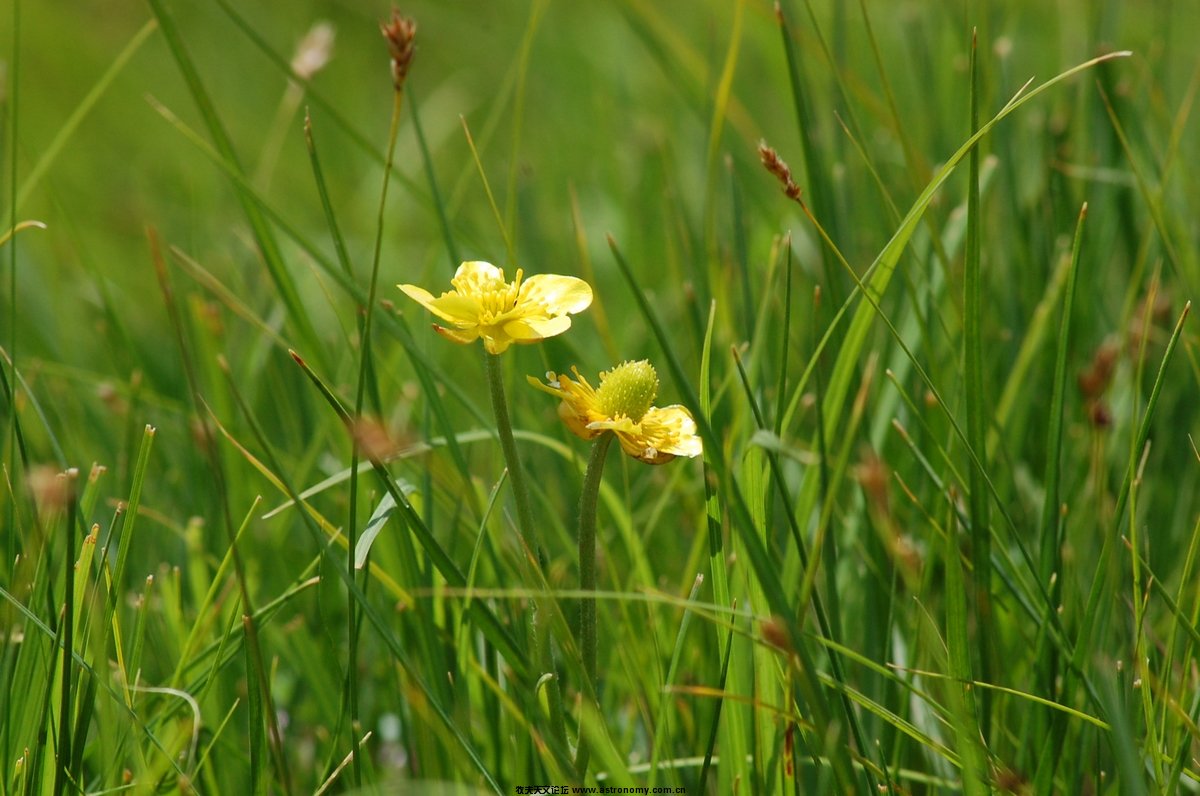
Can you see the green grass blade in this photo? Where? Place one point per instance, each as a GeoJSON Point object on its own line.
{"type": "Point", "coordinates": [820, 188]}
{"type": "Point", "coordinates": [663, 722]}
{"type": "Point", "coordinates": [716, 720]}
{"type": "Point", "coordinates": [63, 772]}
{"type": "Point", "coordinates": [1051, 507]}
{"type": "Point", "coordinates": [256, 723]}
{"type": "Point", "coordinates": [1050, 558]}
{"type": "Point", "coordinates": [976, 411]}
{"type": "Point", "coordinates": [964, 713]}
{"type": "Point", "coordinates": [124, 539]}
{"type": "Point", "coordinates": [431, 177]}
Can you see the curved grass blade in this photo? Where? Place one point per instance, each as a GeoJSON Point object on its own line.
{"type": "Point", "coordinates": [963, 710]}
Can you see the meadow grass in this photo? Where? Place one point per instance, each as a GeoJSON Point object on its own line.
{"type": "Point", "coordinates": [921, 274]}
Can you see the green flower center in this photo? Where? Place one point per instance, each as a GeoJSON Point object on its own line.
{"type": "Point", "coordinates": [628, 390]}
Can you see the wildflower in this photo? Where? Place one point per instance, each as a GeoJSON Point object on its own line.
{"type": "Point", "coordinates": [623, 405]}
{"type": "Point", "coordinates": [483, 304]}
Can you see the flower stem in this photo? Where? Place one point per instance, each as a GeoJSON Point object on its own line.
{"type": "Point", "coordinates": [516, 477]}
{"type": "Point", "coordinates": [542, 612]}
{"type": "Point", "coordinates": [587, 575]}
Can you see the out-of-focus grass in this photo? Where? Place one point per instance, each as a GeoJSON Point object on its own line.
{"type": "Point", "coordinates": [1003, 394]}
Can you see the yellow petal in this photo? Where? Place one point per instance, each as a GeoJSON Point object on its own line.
{"type": "Point", "coordinates": [653, 456]}
{"type": "Point", "coordinates": [477, 278]}
{"type": "Point", "coordinates": [495, 340]}
{"type": "Point", "coordinates": [580, 385]}
{"type": "Point", "coordinates": [635, 443]}
{"type": "Point", "coordinates": [673, 430]}
{"type": "Point", "coordinates": [560, 294]}
{"type": "Point", "coordinates": [417, 294]}
{"type": "Point", "coordinates": [539, 384]}
{"type": "Point", "coordinates": [620, 424]}
{"type": "Point", "coordinates": [575, 422]}
{"type": "Point", "coordinates": [456, 308]}
{"type": "Point", "coordinates": [473, 270]}
{"type": "Point", "coordinates": [463, 336]}
{"type": "Point", "coordinates": [438, 306]}
{"type": "Point", "coordinates": [533, 329]}
{"type": "Point", "coordinates": [630, 444]}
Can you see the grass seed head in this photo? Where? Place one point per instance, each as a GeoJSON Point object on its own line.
{"type": "Point", "coordinates": [400, 33]}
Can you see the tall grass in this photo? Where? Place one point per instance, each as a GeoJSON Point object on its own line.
{"type": "Point", "coordinates": [260, 525]}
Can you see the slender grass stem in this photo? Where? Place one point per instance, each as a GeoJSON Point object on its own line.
{"type": "Point", "coordinates": [365, 375]}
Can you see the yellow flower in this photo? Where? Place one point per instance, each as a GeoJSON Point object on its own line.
{"type": "Point", "coordinates": [622, 405]}
{"type": "Point", "coordinates": [483, 305]}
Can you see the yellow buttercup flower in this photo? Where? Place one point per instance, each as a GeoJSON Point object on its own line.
{"type": "Point", "coordinates": [623, 405]}
{"type": "Point", "coordinates": [483, 304]}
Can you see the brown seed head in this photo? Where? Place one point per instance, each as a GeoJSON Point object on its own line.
{"type": "Point", "coordinates": [400, 33]}
{"type": "Point", "coordinates": [775, 633]}
{"type": "Point", "coordinates": [1152, 313]}
{"type": "Point", "coordinates": [52, 489]}
{"type": "Point", "coordinates": [1094, 381]}
{"type": "Point", "coordinates": [872, 475]}
{"type": "Point", "coordinates": [776, 165]}
{"type": "Point", "coordinates": [1099, 414]}
{"type": "Point", "coordinates": [373, 438]}
{"type": "Point", "coordinates": [1011, 781]}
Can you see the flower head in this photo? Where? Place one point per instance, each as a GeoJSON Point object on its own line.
{"type": "Point", "coordinates": [623, 405]}
{"type": "Point", "coordinates": [483, 304]}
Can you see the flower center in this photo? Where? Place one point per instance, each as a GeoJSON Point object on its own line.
{"type": "Point", "coordinates": [628, 390]}
{"type": "Point", "coordinates": [495, 296]}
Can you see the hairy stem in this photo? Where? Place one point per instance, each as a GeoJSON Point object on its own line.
{"type": "Point", "coordinates": [587, 575]}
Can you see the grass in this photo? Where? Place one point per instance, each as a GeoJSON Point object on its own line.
{"type": "Point", "coordinates": [260, 524]}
